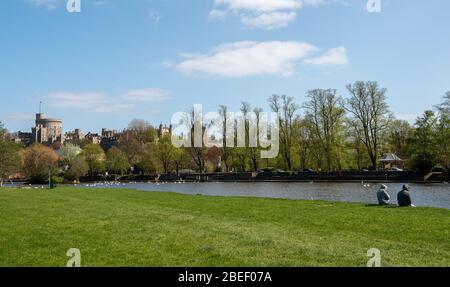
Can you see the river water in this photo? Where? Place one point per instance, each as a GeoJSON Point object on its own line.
{"type": "Point", "coordinates": [431, 195]}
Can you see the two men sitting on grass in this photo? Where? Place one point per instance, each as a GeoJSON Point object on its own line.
{"type": "Point", "coordinates": [403, 197]}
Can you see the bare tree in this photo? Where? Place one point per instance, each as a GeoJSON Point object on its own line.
{"type": "Point", "coordinates": [141, 130]}
{"type": "Point", "coordinates": [443, 131]}
{"type": "Point", "coordinates": [399, 132]}
{"type": "Point", "coordinates": [245, 152]}
{"type": "Point", "coordinates": [138, 125]}
{"type": "Point", "coordinates": [444, 107]}
{"type": "Point", "coordinates": [255, 151]}
{"type": "Point", "coordinates": [368, 106]}
{"type": "Point", "coordinates": [197, 153]}
{"type": "Point", "coordinates": [225, 153]}
{"type": "Point", "coordinates": [356, 142]}
{"type": "Point", "coordinates": [285, 107]}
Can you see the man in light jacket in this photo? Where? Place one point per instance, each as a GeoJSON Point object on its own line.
{"type": "Point", "coordinates": [383, 196]}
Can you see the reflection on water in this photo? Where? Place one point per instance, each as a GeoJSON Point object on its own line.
{"type": "Point", "coordinates": [432, 195]}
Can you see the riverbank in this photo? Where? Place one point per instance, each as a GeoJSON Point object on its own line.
{"type": "Point", "coordinates": [337, 176]}
{"type": "Point", "coordinates": [423, 195]}
{"type": "Point", "coordinates": [331, 177]}
{"type": "Point", "coordinates": [116, 227]}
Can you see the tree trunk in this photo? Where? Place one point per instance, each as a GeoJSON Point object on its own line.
{"type": "Point", "coordinates": [373, 159]}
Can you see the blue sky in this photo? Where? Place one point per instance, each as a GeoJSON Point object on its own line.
{"type": "Point", "coordinates": [124, 59]}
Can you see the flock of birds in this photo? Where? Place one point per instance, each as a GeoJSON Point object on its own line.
{"type": "Point", "coordinates": [157, 183]}
{"type": "Point", "coordinates": [366, 185]}
{"type": "Point", "coordinates": [103, 184]}
{"type": "Point", "coordinates": [117, 183]}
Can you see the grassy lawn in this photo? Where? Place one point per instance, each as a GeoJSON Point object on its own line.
{"type": "Point", "coordinates": [132, 228]}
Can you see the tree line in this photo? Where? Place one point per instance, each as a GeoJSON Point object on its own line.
{"type": "Point", "coordinates": [327, 132]}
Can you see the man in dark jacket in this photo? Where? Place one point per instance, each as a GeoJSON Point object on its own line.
{"type": "Point", "coordinates": [404, 198]}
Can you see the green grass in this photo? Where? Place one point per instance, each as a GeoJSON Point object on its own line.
{"type": "Point", "coordinates": [132, 228]}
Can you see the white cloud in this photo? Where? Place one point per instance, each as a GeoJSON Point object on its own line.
{"type": "Point", "coordinates": [258, 5]}
{"type": "Point", "coordinates": [54, 4]}
{"type": "Point", "coordinates": [147, 95]}
{"type": "Point", "coordinates": [49, 4]}
{"type": "Point", "coordinates": [90, 101]}
{"type": "Point", "coordinates": [264, 14]}
{"type": "Point", "coordinates": [314, 2]}
{"type": "Point", "coordinates": [249, 58]}
{"type": "Point", "coordinates": [18, 117]}
{"type": "Point", "coordinates": [217, 14]}
{"type": "Point", "coordinates": [333, 57]}
{"type": "Point", "coordinates": [269, 20]}
{"type": "Point", "coordinates": [167, 64]}
{"type": "Point", "coordinates": [103, 3]}
{"type": "Point", "coordinates": [101, 103]}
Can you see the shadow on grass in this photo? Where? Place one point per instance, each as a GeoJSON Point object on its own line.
{"type": "Point", "coordinates": [382, 206]}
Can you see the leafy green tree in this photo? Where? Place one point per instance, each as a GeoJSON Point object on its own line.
{"type": "Point", "coordinates": [69, 152]}
{"type": "Point", "coordinates": [397, 138]}
{"type": "Point", "coordinates": [2, 131]}
{"type": "Point", "coordinates": [9, 159]}
{"type": "Point", "coordinates": [240, 159]}
{"type": "Point", "coordinates": [303, 142]}
{"type": "Point", "coordinates": [80, 142]}
{"type": "Point", "coordinates": [443, 132]}
{"type": "Point", "coordinates": [132, 148]}
{"type": "Point", "coordinates": [422, 145]}
{"type": "Point", "coordinates": [116, 161]}
{"type": "Point", "coordinates": [325, 111]}
{"type": "Point", "coordinates": [37, 161]}
{"type": "Point", "coordinates": [180, 159]}
{"type": "Point", "coordinates": [164, 152]}
{"type": "Point", "coordinates": [148, 161]}
{"type": "Point", "coordinates": [78, 168]}
{"type": "Point", "coordinates": [95, 158]}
